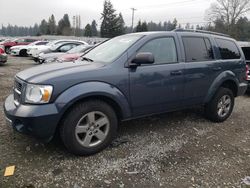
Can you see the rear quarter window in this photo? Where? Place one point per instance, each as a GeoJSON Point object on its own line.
{"type": "Point", "coordinates": [228, 49]}
{"type": "Point", "coordinates": [246, 51]}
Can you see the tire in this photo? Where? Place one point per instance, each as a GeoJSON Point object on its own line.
{"type": "Point", "coordinates": [221, 105]}
{"type": "Point", "coordinates": [79, 131]}
{"type": "Point", "coordinates": [23, 53]}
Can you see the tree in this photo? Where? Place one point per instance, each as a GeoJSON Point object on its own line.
{"type": "Point", "coordinates": [120, 29]}
{"type": "Point", "coordinates": [52, 25]}
{"type": "Point", "coordinates": [144, 26]}
{"type": "Point", "coordinates": [93, 28]}
{"type": "Point", "coordinates": [43, 28]}
{"type": "Point", "coordinates": [64, 27]}
{"type": "Point", "coordinates": [138, 27]}
{"type": "Point", "coordinates": [229, 11]}
{"type": "Point", "coordinates": [88, 31]}
{"type": "Point", "coordinates": [109, 20]}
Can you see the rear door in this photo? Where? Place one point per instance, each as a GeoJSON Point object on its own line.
{"type": "Point", "coordinates": [201, 68]}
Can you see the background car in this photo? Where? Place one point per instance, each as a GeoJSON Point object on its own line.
{"type": "Point", "coordinates": [21, 50]}
{"type": "Point", "coordinates": [71, 55]}
{"type": "Point", "coordinates": [3, 56]}
{"type": "Point", "coordinates": [245, 46]}
{"type": "Point", "coordinates": [20, 41]}
{"type": "Point", "coordinates": [58, 49]}
{"type": "Point", "coordinates": [35, 51]}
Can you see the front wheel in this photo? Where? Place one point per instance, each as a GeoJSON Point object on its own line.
{"type": "Point", "coordinates": [221, 105]}
{"type": "Point", "coordinates": [89, 127]}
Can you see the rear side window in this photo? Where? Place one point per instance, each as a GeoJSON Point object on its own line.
{"type": "Point", "coordinates": [197, 49]}
{"type": "Point", "coordinates": [246, 51]}
{"type": "Point", "coordinates": [163, 49]}
{"type": "Point", "coordinates": [228, 49]}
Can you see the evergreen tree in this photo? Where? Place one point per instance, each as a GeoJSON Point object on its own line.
{"type": "Point", "coordinates": [93, 28]}
{"type": "Point", "coordinates": [120, 29]}
{"type": "Point", "coordinates": [64, 27]}
{"type": "Point", "coordinates": [144, 26]}
{"type": "Point", "coordinates": [109, 20]}
{"type": "Point", "coordinates": [88, 31]}
{"type": "Point", "coordinates": [43, 28]}
{"type": "Point", "coordinates": [52, 25]}
{"type": "Point", "coordinates": [138, 27]}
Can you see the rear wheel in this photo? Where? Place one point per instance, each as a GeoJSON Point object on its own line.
{"type": "Point", "coordinates": [89, 127]}
{"type": "Point", "coordinates": [221, 105]}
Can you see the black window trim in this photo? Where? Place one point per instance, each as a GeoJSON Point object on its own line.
{"type": "Point", "coordinates": [229, 41]}
{"type": "Point", "coordinates": [161, 63]}
{"type": "Point", "coordinates": [202, 37]}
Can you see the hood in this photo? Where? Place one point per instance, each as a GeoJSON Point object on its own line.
{"type": "Point", "coordinates": [19, 46]}
{"type": "Point", "coordinates": [70, 56]}
{"type": "Point", "coordinates": [41, 47]}
{"type": "Point", "coordinates": [54, 72]}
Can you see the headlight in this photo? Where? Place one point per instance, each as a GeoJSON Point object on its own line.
{"type": "Point", "coordinates": [38, 94]}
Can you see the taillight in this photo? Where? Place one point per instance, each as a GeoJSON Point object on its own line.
{"type": "Point", "coordinates": [1, 51]}
{"type": "Point", "coordinates": [247, 72]}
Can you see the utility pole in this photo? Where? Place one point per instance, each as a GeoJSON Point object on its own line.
{"type": "Point", "coordinates": [133, 14]}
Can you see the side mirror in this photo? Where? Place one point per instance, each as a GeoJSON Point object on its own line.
{"type": "Point", "coordinates": [143, 58]}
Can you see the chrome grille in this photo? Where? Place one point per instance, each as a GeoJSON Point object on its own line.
{"type": "Point", "coordinates": [17, 91]}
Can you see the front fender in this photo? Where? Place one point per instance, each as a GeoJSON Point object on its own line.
{"type": "Point", "coordinates": [88, 89]}
{"type": "Point", "coordinates": [224, 76]}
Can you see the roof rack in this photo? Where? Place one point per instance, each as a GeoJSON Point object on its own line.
{"type": "Point", "coordinates": [201, 31]}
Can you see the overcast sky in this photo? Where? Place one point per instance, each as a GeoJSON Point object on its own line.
{"type": "Point", "coordinates": [28, 12]}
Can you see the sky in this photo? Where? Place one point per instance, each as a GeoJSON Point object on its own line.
{"type": "Point", "coordinates": [28, 12]}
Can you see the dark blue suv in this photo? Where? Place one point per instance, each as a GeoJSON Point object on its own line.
{"type": "Point", "coordinates": [127, 77]}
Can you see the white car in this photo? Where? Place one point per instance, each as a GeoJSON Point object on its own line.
{"type": "Point", "coordinates": [21, 50]}
{"type": "Point", "coordinates": [35, 51]}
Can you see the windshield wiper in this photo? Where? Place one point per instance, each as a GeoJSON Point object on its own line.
{"type": "Point", "coordinates": [87, 59]}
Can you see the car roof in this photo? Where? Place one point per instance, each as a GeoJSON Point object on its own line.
{"type": "Point", "coordinates": [185, 32]}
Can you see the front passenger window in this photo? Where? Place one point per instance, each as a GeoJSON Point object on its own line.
{"type": "Point", "coordinates": [163, 49]}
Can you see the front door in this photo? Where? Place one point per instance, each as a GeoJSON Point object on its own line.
{"type": "Point", "coordinates": [158, 87]}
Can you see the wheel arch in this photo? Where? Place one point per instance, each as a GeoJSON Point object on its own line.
{"type": "Point", "coordinates": [226, 79]}
{"type": "Point", "coordinates": [93, 91]}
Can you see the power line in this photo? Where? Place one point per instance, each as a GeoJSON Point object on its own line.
{"type": "Point", "coordinates": [167, 4]}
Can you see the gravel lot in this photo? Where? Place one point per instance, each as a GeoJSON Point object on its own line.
{"type": "Point", "coordinates": [180, 149]}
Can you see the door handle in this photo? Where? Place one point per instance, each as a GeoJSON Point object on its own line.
{"type": "Point", "coordinates": [216, 68]}
{"type": "Point", "coordinates": [176, 73]}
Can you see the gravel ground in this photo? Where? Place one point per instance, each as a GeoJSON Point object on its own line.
{"type": "Point", "coordinates": [180, 149]}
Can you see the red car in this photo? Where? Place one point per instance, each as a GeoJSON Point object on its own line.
{"type": "Point", "coordinates": [3, 56]}
{"type": "Point", "coordinates": [74, 54]}
{"type": "Point", "coordinates": [20, 41]}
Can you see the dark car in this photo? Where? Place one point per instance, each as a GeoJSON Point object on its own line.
{"type": "Point", "coordinates": [245, 46]}
{"type": "Point", "coordinates": [3, 56]}
{"type": "Point", "coordinates": [127, 77]}
{"type": "Point", "coordinates": [58, 49]}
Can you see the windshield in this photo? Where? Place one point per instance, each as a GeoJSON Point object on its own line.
{"type": "Point", "coordinates": [109, 51]}
{"type": "Point", "coordinates": [55, 46]}
{"type": "Point", "coordinates": [77, 49]}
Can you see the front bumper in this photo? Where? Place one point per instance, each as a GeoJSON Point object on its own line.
{"type": "Point", "coordinates": [39, 121]}
{"type": "Point", "coordinates": [15, 52]}
{"type": "Point", "coordinates": [3, 58]}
